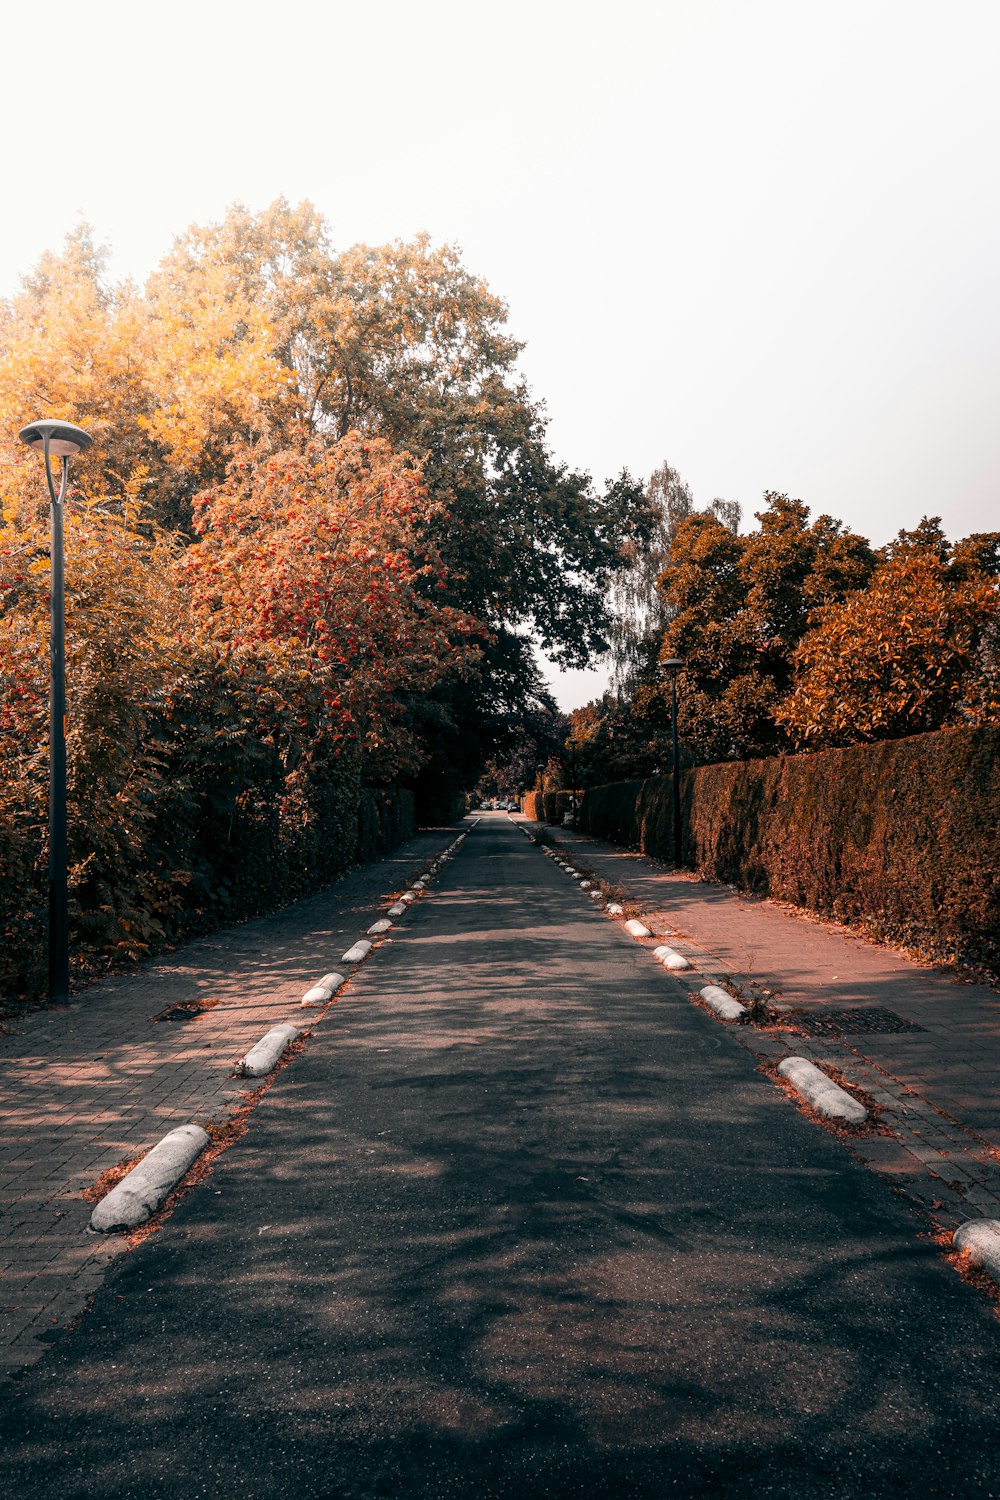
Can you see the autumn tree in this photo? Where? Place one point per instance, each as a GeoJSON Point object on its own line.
{"type": "Point", "coordinates": [312, 555]}
{"type": "Point", "coordinates": [740, 606]}
{"type": "Point", "coordinates": [403, 343]}
{"type": "Point", "coordinates": [917, 649]}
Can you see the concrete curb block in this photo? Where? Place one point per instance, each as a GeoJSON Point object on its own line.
{"type": "Point", "coordinates": [825, 1096]}
{"type": "Point", "coordinates": [979, 1239]}
{"type": "Point", "coordinates": [357, 951]}
{"type": "Point", "coordinates": [141, 1192]}
{"type": "Point", "coordinates": [396, 909]}
{"type": "Point", "coordinates": [722, 1002]}
{"type": "Point", "coordinates": [377, 928]}
{"type": "Point", "coordinates": [408, 896]}
{"type": "Point", "coordinates": [636, 928]}
{"type": "Point", "coordinates": [262, 1058]}
{"type": "Point", "coordinates": [323, 990]}
{"type": "Point", "coordinates": [670, 958]}
{"type": "Point", "coordinates": [613, 909]}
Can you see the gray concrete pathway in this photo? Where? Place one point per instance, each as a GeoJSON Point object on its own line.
{"type": "Point", "coordinates": [521, 1222]}
{"type": "Point", "coordinates": [86, 1086]}
{"type": "Point", "coordinates": [935, 1078]}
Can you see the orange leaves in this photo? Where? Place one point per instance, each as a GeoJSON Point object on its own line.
{"type": "Point", "coordinates": [313, 555]}
{"type": "Point", "coordinates": [916, 650]}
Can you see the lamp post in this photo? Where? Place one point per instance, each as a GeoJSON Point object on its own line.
{"type": "Point", "coordinates": [64, 441]}
{"type": "Point", "coordinates": [571, 748]}
{"type": "Point", "coordinates": [673, 665]}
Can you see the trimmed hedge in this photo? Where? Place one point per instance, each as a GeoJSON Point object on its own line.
{"type": "Point", "coordinates": [385, 820]}
{"type": "Point", "coordinates": [901, 838]}
{"type": "Point", "coordinates": [547, 807]}
{"type": "Point", "coordinates": [247, 853]}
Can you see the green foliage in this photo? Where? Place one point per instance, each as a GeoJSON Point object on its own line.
{"type": "Point", "coordinates": [640, 610]}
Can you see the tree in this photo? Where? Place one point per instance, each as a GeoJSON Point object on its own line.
{"type": "Point", "coordinates": [313, 556]}
{"type": "Point", "coordinates": [640, 610]}
{"type": "Point", "coordinates": [399, 342]}
{"type": "Point", "coordinates": [915, 650]}
{"type": "Point", "coordinates": [740, 605]}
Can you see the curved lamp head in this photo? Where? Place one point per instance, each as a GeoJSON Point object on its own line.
{"type": "Point", "coordinates": [672, 664]}
{"type": "Point", "coordinates": [65, 440]}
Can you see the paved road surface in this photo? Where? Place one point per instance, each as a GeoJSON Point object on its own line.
{"type": "Point", "coordinates": [521, 1221]}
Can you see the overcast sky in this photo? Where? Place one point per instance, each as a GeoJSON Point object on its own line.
{"type": "Point", "coordinates": [757, 238]}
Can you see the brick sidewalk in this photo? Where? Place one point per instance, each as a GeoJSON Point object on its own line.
{"type": "Point", "coordinates": [85, 1086]}
{"type": "Point", "coordinates": [935, 1079]}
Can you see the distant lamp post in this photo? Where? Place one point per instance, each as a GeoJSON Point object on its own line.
{"type": "Point", "coordinates": [571, 747]}
{"type": "Point", "coordinates": [63, 441]}
{"type": "Point", "coordinates": [673, 665]}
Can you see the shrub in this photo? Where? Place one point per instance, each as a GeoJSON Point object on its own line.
{"type": "Point", "coordinates": [548, 807]}
{"type": "Point", "coordinates": [901, 837]}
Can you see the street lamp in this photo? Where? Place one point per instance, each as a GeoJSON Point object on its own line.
{"type": "Point", "coordinates": [571, 748]}
{"type": "Point", "coordinates": [64, 441]}
{"type": "Point", "coordinates": [673, 665]}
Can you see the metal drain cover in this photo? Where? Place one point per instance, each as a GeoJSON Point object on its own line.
{"type": "Point", "coordinates": [186, 1011]}
{"type": "Point", "coordinates": [848, 1018]}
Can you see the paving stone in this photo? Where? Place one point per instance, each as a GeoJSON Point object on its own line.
{"type": "Point", "coordinates": [951, 1068]}
{"type": "Point", "coordinates": [83, 1089]}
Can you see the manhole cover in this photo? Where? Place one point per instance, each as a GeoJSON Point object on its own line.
{"type": "Point", "coordinates": [183, 1012]}
{"type": "Point", "coordinates": [848, 1018]}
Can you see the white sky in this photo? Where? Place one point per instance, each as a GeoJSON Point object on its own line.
{"type": "Point", "coordinates": [758, 238]}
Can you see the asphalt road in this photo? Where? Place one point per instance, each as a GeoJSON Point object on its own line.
{"type": "Point", "coordinates": [521, 1221]}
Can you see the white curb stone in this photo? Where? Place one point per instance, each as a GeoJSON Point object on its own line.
{"type": "Point", "coordinates": [670, 958]}
{"type": "Point", "coordinates": [596, 896]}
{"type": "Point", "coordinates": [360, 950]}
{"type": "Point", "coordinates": [262, 1058]}
{"type": "Point", "coordinates": [419, 885]}
{"type": "Point", "coordinates": [637, 928]}
{"type": "Point", "coordinates": [585, 885]}
{"type": "Point", "coordinates": [142, 1191]}
{"type": "Point", "coordinates": [722, 1002]}
{"type": "Point", "coordinates": [825, 1096]}
{"type": "Point", "coordinates": [408, 896]}
{"type": "Point", "coordinates": [323, 990]}
{"type": "Point", "coordinates": [377, 928]}
{"type": "Point", "coordinates": [613, 909]}
{"type": "Point", "coordinates": [396, 909]}
{"type": "Point", "coordinates": [980, 1240]}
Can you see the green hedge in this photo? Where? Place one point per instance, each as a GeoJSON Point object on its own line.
{"type": "Point", "coordinates": [901, 838]}
{"type": "Point", "coordinates": [385, 820]}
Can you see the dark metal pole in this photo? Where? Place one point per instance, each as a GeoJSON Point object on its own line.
{"type": "Point", "coordinates": [58, 893]}
{"type": "Point", "coordinates": [677, 770]}
{"type": "Point", "coordinates": [57, 439]}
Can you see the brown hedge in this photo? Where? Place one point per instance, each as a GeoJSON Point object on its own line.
{"type": "Point", "coordinates": [239, 857]}
{"type": "Point", "coordinates": [547, 807]}
{"type": "Point", "coordinates": [901, 838]}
